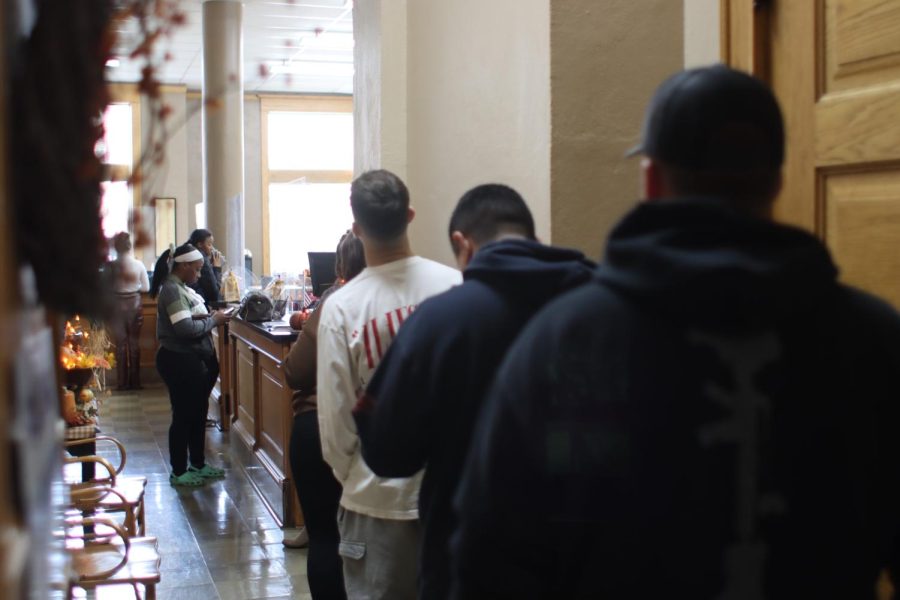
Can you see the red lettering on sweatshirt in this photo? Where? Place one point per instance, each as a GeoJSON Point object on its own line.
{"type": "Point", "coordinates": [377, 337]}
{"type": "Point", "coordinates": [371, 331]}
{"type": "Point", "coordinates": [368, 346]}
{"type": "Point", "coordinates": [390, 320]}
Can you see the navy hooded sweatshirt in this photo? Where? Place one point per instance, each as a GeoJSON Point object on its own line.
{"type": "Point", "coordinates": [714, 417]}
{"type": "Point", "coordinates": [423, 400]}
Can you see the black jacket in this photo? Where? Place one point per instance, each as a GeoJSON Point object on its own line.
{"type": "Point", "coordinates": [428, 389]}
{"type": "Point", "coordinates": [714, 417]}
{"type": "Point", "coordinates": [209, 282]}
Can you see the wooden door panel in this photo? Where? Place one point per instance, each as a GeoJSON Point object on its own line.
{"type": "Point", "coordinates": [835, 67]}
{"type": "Point", "coordinates": [272, 393]}
{"type": "Point", "coordinates": [862, 47]}
{"type": "Point", "coordinates": [245, 392]}
{"type": "Point", "coordinates": [862, 228]}
{"type": "Point", "coordinates": [858, 129]}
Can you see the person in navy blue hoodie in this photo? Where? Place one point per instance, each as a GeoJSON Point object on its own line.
{"type": "Point", "coordinates": [715, 416]}
{"type": "Point", "coordinates": [423, 401]}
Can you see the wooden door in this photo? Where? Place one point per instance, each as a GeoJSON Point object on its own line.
{"type": "Point", "coordinates": [835, 67]}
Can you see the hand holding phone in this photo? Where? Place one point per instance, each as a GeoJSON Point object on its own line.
{"type": "Point", "coordinates": [220, 317]}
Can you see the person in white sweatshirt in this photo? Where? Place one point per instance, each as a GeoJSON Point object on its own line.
{"type": "Point", "coordinates": [378, 517]}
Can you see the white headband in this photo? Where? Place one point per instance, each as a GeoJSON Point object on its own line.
{"type": "Point", "coordinates": [189, 256]}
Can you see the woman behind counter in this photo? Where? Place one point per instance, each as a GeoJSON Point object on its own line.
{"type": "Point", "coordinates": [129, 279]}
{"type": "Point", "coordinates": [186, 360]}
{"type": "Point", "coordinates": [319, 492]}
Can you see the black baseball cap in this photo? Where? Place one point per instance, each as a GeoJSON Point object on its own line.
{"type": "Point", "coordinates": [713, 119]}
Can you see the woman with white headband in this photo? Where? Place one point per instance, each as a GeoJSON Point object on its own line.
{"type": "Point", "coordinates": [186, 360]}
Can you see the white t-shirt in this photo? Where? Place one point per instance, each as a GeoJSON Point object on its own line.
{"type": "Point", "coordinates": [358, 323]}
{"type": "Point", "coordinates": [131, 275]}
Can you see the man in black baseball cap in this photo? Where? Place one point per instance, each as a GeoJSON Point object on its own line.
{"type": "Point", "coordinates": [715, 131]}
{"type": "Point", "coordinates": [714, 416]}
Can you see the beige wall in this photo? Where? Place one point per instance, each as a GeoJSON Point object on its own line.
{"type": "Point", "coordinates": [476, 107]}
{"type": "Point", "coordinates": [169, 180]}
{"type": "Point", "coordinates": [604, 70]}
{"type": "Point", "coordinates": [701, 32]}
{"type": "Point", "coordinates": [478, 104]}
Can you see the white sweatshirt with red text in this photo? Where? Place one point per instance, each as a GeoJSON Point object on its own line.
{"type": "Point", "coordinates": [358, 323]}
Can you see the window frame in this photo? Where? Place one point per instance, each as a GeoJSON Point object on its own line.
{"type": "Point", "coordinates": [274, 103]}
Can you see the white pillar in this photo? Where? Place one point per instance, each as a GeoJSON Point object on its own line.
{"type": "Point", "coordinates": [223, 126]}
{"type": "Point", "coordinates": [380, 85]}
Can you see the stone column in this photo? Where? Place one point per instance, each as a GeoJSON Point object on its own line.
{"type": "Point", "coordinates": [223, 126]}
{"type": "Point", "coordinates": [380, 86]}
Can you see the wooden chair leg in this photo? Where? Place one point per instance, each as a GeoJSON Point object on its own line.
{"type": "Point", "coordinates": [141, 519]}
{"type": "Point", "coordinates": [130, 522]}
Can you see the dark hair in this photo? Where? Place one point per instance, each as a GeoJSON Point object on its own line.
{"type": "Point", "coordinates": [119, 241]}
{"type": "Point", "coordinates": [198, 236]}
{"type": "Point", "coordinates": [380, 203]}
{"type": "Point", "coordinates": [161, 269]}
{"type": "Point", "coordinates": [351, 257]}
{"type": "Point", "coordinates": [486, 211]}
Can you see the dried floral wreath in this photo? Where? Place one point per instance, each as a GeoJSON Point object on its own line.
{"type": "Point", "coordinates": [57, 97]}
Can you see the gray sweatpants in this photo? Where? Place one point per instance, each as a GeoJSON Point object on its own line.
{"type": "Point", "coordinates": [380, 556]}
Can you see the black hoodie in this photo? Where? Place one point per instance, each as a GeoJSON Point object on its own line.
{"type": "Point", "coordinates": [423, 400]}
{"type": "Point", "coordinates": [714, 417]}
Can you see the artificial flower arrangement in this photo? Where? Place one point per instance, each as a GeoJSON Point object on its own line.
{"type": "Point", "coordinates": [85, 357]}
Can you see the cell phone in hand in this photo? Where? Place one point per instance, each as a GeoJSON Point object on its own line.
{"type": "Point", "coordinates": [230, 310]}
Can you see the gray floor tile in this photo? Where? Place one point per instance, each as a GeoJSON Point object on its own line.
{"type": "Point", "coordinates": [193, 592]}
{"type": "Point", "coordinates": [216, 541]}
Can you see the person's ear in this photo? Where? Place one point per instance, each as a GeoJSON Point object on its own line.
{"type": "Point", "coordinates": [465, 249]}
{"type": "Point", "coordinates": [355, 229]}
{"type": "Point", "coordinates": [410, 214]}
{"type": "Point", "coordinates": [652, 180]}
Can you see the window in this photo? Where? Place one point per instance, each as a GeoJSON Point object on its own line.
{"type": "Point", "coordinates": [118, 151]}
{"type": "Point", "coordinates": [307, 169]}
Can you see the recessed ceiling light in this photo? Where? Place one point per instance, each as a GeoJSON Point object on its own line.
{"type": "Point", "coordinates": [113, 63]}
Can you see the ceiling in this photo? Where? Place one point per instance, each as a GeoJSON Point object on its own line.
{"type": "Point", "coordinates": [290, 46]}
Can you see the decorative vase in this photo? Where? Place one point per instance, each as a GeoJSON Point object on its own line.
{"type": "Point", "coordinates": [77, 378]}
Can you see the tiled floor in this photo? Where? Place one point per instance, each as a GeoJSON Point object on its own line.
{"type": "Point", "coordinates": [217, 541]}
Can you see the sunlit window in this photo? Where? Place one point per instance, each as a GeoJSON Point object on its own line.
{"type": "Point", "coordinates": [115, 207]}
{"type": "Point", "coordinates": [308, 165]}
{"type": "Point", "coordinates": [117, 146]}
{"type": "Point", "coordinates": [305, 141]}
{"type": "Point", "coordinates": [116, 150]}
{"type": "Point", "coordinates": [306, 218]}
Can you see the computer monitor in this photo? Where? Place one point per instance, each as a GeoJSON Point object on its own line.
{"type": "Point", "coordinates": [321, 270]}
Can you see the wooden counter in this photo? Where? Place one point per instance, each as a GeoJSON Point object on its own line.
{"type": "Point", "coordinates": [255, 403]}
{"type": "Point", "coordinates": [147, 340]}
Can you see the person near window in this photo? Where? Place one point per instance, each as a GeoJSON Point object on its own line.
{"type": "Point", "coordinates": [210, 282]}
{"type": "Point", "coordinates": [129, 279]}
{"type": "Point", "coordinates": [318, 490]}
{"type": "Point", "coordinates": [378, 517]}
{"type": "Point", "coordinates": [186, 360]}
